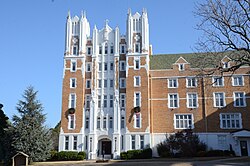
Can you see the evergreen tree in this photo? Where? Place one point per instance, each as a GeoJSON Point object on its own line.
{"type": "Point", "coordinates": [30, 134]}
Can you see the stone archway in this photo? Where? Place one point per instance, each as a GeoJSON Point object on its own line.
{"type": "Point", "coordinates": [104, 147]}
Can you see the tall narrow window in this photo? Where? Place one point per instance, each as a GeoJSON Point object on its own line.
{"type": "Point", "coordinates": [104, 122]}
{"type": "Point", "coordinates": [173, 100]}
{"type": "Point", "coordinates": [89, 50]}
{"type": "Point", "coordinates": [86, 122]}
{"type": "Point", "coordinates": [111, 49]}
{"type": "Point", "coordinates": [137, 64]}
{"type": "Point", "coordinates": [105, 83]}
{"type": "Point", "coordinates": [111, 83]}
{"type": "Point", "coordinates": [137, 47]}
{"type": "Point", "coordinates": [100, 49]}
{"type": "Point", "coordinates": [105, 101]}
{"type": "Point", "coordinates": [122, 82]}
{"type": "Point", "coordinates": [122, 100]}
{"type": "Point", "coordinates": [142, 141]}
{"type": "Point", "coordinates": [122, 142]}
{"type": "Point", "coordinates": [137, 120]}
{"type": "Point", "coordinates": [137, 99]}
{"type": "Point", "coordinates": [86, 142]}
{"type": "Point", "coordinates": [71, 119]}
{"type": "Point", "coordinates": [99, 83]}
{"type": "Point", "coordinates": [87, 102]}
{"type": "Point", "coordinates": [111, 101]}
{"type": "Point", "coordinates": [88, 67]}
{"type": "Point", "coordinates": [122, 122]}
{"type": "Point", "coordinates": [137, 81]}
{"type": "Point", "coordinates": [72, 82]}
{"type": "Point", "coordinates": [111, 66]}
{"type": "Point", "coordinates": [88, 84]}
{"type": "Point", "coordinates": [122, 66]}
{"type": "Point", "coordinates": [75, 143]}
{"type": "Point", "coordinates": [98, 122]}
{"type": "Point", "coordinates": [99, 101]}
{"type": "Point", "coordinates": [239, 99]}
{"type": "Point", "coordinates": [73, 66]}
{"type": "Point", "coordinates": [110, 122]}
{"type": "Point", "coordinates": [100, 67]}
{"type": "Point", "coordinates": [72, 100]}
{"type": "Point", "coordinates": [122, 49]}
{"type": "Point", "coordinates": [132, 142]}
{"type": "Point", "coordinates": [66, 146]}
{"type": "Point", "coordinates": [75, 50]}
{"type": "Point", "coordinates": [219, 99]}
{"type": "Point", "coordinates": [105, 66]}
{"type": "Point", "coordinates": [106, 49]}
{"type": "Point", "coordinates": [192, 100]}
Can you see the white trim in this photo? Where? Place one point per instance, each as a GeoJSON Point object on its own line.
{"type": "Point", "coordinates": [173, 100]}
{"type": "Point", "coordinates": [122, 69]}
{"type": "Point", "coordinates": [69, 122]}
{"type": "Point", "coordinates": [90, 64]}
{"type": "Point", "coordinates": [139, 63]}
{"type": "Point", "coordinates": [224, 99]}
{"type": "Point", "coordinates": [215, 83]}
{"type": "Point", "coordinates": [243, 83]}
{"type": "Point", "coordinates": [140, 121]}
{"type": "Point", "coordinates": [197, 103]}
{"type": "Point", "coordinates": [187, 78]}
{"type": "Point", "coordinates": [71, 65]}
{"type": "Point", "coordinates": [88, 80]}
{"type": "Point", "coordinates": [243, 97]}
{"type": "Point", "coordinates": [240, 121]}
{"type": "Point", "coordinates": [70, 95]}
{"type": "Point", "coordinates": [124, 81]}
{"type": "Point", "coordinates": [172, 83]}
{"type": "Point", "coordinates": [71, 82]}
{"type": "Point", "coordinates": [135, 81]}
{"type": "Point", "coordinates": [192, 120]}
{"type": "Point", "coordinates": [137, 92]}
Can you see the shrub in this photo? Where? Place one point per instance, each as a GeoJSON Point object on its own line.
{"type": "Point", "coordinates": [163, 150]}
{"type": "Point", "coordinates": [215, 153]}
{"type": "Point", "coordinates": [137, 154]}
{"type": "Point", "coordinates": [67, 156]}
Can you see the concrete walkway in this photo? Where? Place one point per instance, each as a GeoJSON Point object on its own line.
{"type": "Point", "coordinates": [241, 161]}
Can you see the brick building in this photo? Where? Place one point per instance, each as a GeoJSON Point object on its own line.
{"type": "Point", "coordinates": [117, 96]}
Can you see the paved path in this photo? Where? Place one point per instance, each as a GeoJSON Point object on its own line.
{"type": "Point", "coordinates": [242, 161]}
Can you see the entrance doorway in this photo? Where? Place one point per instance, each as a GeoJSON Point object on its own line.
{"type": "Point", "coordinates": [105, 148]}
{"type": "Point", "coordinates": [243, 148]}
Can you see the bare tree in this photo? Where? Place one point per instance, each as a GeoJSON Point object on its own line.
{"type": "Point", "coordinates": [226, 25]}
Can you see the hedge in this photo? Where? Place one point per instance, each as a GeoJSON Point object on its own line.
{"type": "Point", "coordinates": [137, 154]}
{"type": "Point", "coordinates": [67, 156]}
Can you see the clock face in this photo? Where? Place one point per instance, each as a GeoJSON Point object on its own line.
{"type": "Point", "coordinates": [75, 40]}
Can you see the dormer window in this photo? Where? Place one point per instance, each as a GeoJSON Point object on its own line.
{"type": "Point", "coordinates": [181, 67]}
{"type": "Point", "coordinates": [225, 65]}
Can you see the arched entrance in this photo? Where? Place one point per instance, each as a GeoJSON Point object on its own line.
{"type": "Point", "coordinates": [104, 148]}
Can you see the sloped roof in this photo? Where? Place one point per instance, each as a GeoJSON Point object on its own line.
{"type": "Point", "coordinates": [166, 61]}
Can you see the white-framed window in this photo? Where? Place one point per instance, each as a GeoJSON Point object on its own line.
{"type": "Point", "coordinates": [218, 81]}
{"type": "Point", "coordinates": [137, 81]}
{"type": "Point", "coordinates": [219, 99]}
{"type": "Point", "coordinates": [99, 101]}
{"type": "Point", "coordinates": [106, 49]}
{"type": "Point", "coordinates": [122, 66]}
{"type": "Point", "coordinates": [71, 121]}
{"type": "Point", "coordinates": [99, 83]}
{"type": "Point", "coordinates": [98, 126]}
{"type": "Point", "coordinates": [222, 142]}
{"type": "Point", "coordinates": [74, 142]}
{"type": "Point", "coordinates": [111, 66]}
{"type": "Point", "coordinates": [105, 122]}
{"type": "Point", "coordinates": [230, 121]}
{"type": "Point", "coordinates": [191, 82]}
{"type": "Point", "coordinates": [111, 49]}
{"type": "Point", "coordinates": [137, 99]}
{"type": "Point", "coordinates": [105, 66]}
{"type": "Point", "coordinates": [86, 122]}
{"type": "Point", "coordinates": [225, 65]}
{"type": "Point", "coordinates": [75, 50]}
{"type": "Point", "coordinates": [172, 83]}
{"type": "Point", "coordinates": [237, 80]}
{"type": "Point", "coordinates": [87, 103]}
{"type": "Point", "coordinates": [122, 122]}
{"type": "Point", "coordinates": [100, 49]}
{"type": "Point", "coordinates": [137, 63]}
{"type": "Point", "coordinates": [133, 142]}
{"type": "Point", "coordinates": [72, 82]}
{"type": "Point", "coordinates": [122, 100]}
{"type": "Point", "coordinates": [122, 142]}
{"type": "Point", "coordinates": [137, 47]}
{"type": "Point", "coordinates": [173, 100]}
{"type": "Point", "coordinates": [122, 49]}
{"type": "Point", "coordinates": [111, 101]}
{"type": "Point", "coordinates": [105, 83]}
{"type": "Point", "coordinates": [181, 67]}
{"type": "Point", "coordinates": [141, 141]}
{"type": "Point", "coordinates": [86, 142]}
{"type": "Point", "coordinates": [192, 100]}
{"type": "Point", "coordinates": [88, 84]}
{"type": "Point", "coordinates": [66, 145]}
{"type": "Point", "coordinates": [239, 99]}
{"type": "Point", "coordinates": [99, 66]}
{"type": "Point", "coordinates": [122, 83]}
{"type": "Point", "coordinates": [110, 122]}
{"type": "Point", "coordinates": [89, 51]}
{"type": "Point", "coordinates": [183, 121]}
{"type": "Point", "coordinates": [88, 67]}
{"type": "Point", "coordinates": [105, 101]}
{"type": "Point", "coordinates": [137, 120]}
{"type": "Point", "coordinates": [73, 66]}
{"type": "Point", "coordinates": [72, 100]}
{"type": "Point", "coordinates": [111, 83]}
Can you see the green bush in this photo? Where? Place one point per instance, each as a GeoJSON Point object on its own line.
{"type": "Point", "coordinates": [137, 154]}
{"type": "Point", "coordinates": [67, 156]}
{"type": "Point", "coordinates": [215, 153]}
